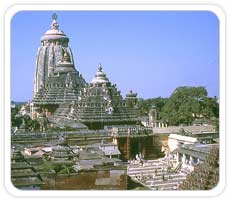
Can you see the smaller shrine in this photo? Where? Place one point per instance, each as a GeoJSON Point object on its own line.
{"type": "Point", "coordinates": [100, 104]}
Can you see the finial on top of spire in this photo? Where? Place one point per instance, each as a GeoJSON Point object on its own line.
{"type": "Point", "coordinates": [54, 24]}
{"type": "Point", "coordinates": [54, 16]}
{"type": "Point", "coordinates": [100, 67]}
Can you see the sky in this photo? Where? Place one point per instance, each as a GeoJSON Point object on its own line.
{"type": "Point", "coordinates": [150, 52]}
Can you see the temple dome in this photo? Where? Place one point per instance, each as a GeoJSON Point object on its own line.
{"type": "Point", "coordinates": [131, 94]}
{"type": "Point", "coordinates": [54, 33]}
{"type": "Point", "coordinates": [100, 77]}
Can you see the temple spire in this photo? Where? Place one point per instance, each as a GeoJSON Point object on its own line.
{"type": "Point", "coordinates": [54, 24]}
{"type": "Point", "coordinates": [100, 67]}
{"type": "Point", "coordinates": [100, 76]}
{"type": "Point", "coordinates": [54, 16]}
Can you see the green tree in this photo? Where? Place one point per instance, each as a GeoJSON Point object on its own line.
{"type": "Point", "coordinates": [183, 105]}
{"type": "Point", "coordinates": [15, 120]}
{"type": "Point", "coordinates": [18, 119]}
{"type": "Point", "coordinates": [35, 125]}
{"type": "Point", "coordinates": [210, 107]}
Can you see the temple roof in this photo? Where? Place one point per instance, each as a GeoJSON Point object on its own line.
{"type": "Point", "coordinates": [60, 88]}
{"type": "Point", "coordinates": [131, 94]}
{"type": "Point", "coordinates": [100, 77]}
{"type": "Point", "coordinates": [54, 32]}
{"type": "Point", "coordinates": [196, 150]}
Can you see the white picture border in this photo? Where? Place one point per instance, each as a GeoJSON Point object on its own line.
{"type": "Point", "coordinates": [16, 8]}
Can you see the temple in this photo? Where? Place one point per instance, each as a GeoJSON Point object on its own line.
{"type": "Point", "coordinates": [63, 95]}
{"type": "Point", "coordinates": [100, 103]}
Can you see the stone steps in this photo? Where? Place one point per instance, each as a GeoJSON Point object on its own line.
{"type": "Point", "coordinates": [146, 175]}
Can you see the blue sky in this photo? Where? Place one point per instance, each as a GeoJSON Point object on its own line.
{"type": "Point", "coordinates": [151, 52]}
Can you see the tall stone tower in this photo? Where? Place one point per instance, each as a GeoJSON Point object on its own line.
{"type": "Point", "coordinates": [153, 116]}
{"type": "Point", "coordinates": [56, 80]}
{"type": "Point", "coordinates": [131, 99]}
{"type": "Point", "coordinates": [51, 51]}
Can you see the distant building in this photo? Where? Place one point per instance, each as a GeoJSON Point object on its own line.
{"type": "Point", "coordinates": [190, 155]}
{"type": "Point", "coordinates": [154, 121]}
{"type": "Point", "coordinates": [189, 150]}
{"type": "Point", "coordinates": [131, 99]}
{"type": "Point", "coordinates": [176, 140]}
{"type": "Point", "coordinates": [201, 122]}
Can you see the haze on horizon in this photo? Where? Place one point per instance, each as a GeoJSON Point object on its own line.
{"type": "Point", "coordinates": [150, 52]}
